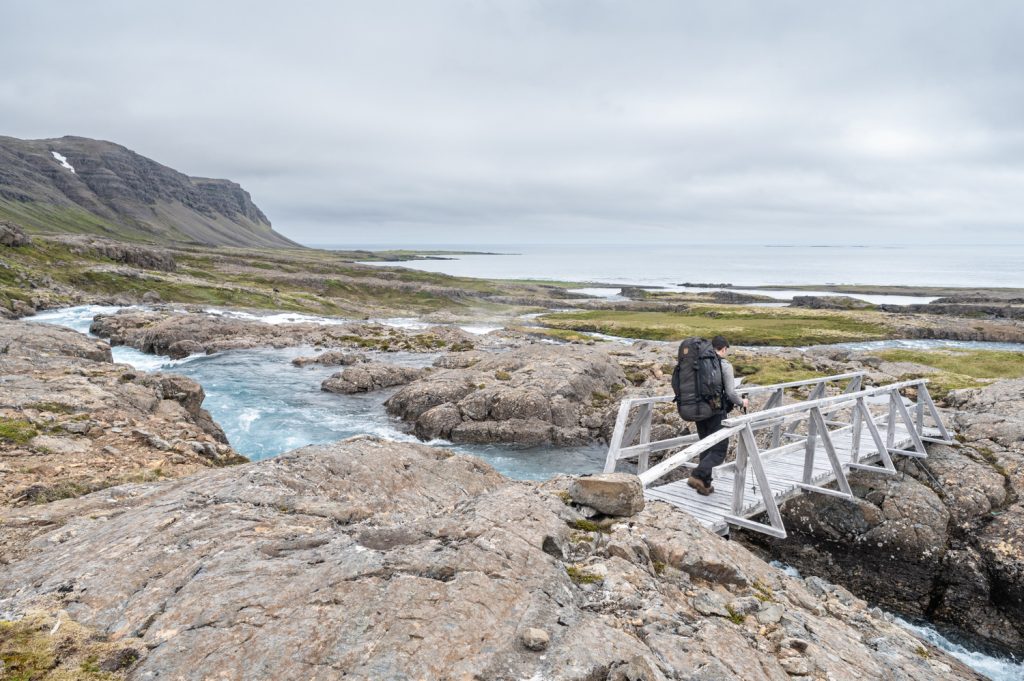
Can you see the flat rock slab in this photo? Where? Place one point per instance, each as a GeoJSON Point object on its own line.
{"type": "Point", "coordinates": [369, 376]}
{"type": "Point", "coordinates": [373, 559]}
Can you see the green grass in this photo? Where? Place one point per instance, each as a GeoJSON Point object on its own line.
{"type": "Point", "coordinates": [43, 218]}
{"type": "Point", "coordinates": [741, 325]}
{"type": "Point", "coordinates": [580, 576]}
{"type": "Point", "coordinates": [735, 617]}
{"type": "Point", "coordinates": [590, 526]}
{"type": "Point", "coordinates": [959, 368]}
{"type": "Point", "coordinates": [771, 370]}
{"type": "Point", "coordinates": [55, 407]}
{"type": "Point", "coordinates": [565, 335]}
{"type": "Point", "coordinates": [29, 652]}
{"type": "Point", "coordinates": [16, 431]}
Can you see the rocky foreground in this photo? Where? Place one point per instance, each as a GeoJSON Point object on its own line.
{"type": "Point", "coordinates": [942, 540]}
{"type": "Point", "coordinates": [371, 559]}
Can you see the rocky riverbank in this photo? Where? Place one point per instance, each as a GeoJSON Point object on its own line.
{"type": "Point", "coordinates": [71, 421]}
{"type": "Point", "coordinates": [942, 540]}
{"type": "Point", "coordinates": [520, 375]}
{"type": "Point", "coordinates": [372, 559]}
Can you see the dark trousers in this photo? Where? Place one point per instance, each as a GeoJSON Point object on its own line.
{"type": "Point", "coordinates": [716, 454]}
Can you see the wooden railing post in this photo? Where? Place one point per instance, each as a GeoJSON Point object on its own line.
{"type": "Point", "coordinates": [646, 414]}
{"type": "Point", "coordinates": [809, 449]}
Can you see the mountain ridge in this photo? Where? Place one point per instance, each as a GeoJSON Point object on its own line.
{"type": "Point", "coordinates": [81, 185]}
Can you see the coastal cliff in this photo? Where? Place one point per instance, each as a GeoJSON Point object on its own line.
{"type": "Point", "coordinates": [78, 185]}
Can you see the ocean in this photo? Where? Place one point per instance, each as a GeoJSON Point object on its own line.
{"type": "Point", "coordinates": [993, 265]}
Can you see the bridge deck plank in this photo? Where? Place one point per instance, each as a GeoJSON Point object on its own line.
{"type": "Point", "coordinates": [784, 472]}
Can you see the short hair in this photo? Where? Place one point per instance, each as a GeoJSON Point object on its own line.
{"type": "Point", "coordinates": [719, 342]}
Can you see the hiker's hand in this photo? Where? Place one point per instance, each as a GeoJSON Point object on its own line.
{"type": "Point", "coordinates": [746, 403]}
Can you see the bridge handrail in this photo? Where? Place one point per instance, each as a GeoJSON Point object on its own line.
{"type": "Point", "coordinates": [754, 389]}
{"type": "Point", "coordinates": [737, 424]}
{"type": "Point", "coordinates": [642, 424]}
{"type": "Point", "coordinates": [681, 457]}
{"type": "Point", "coordinates": [788, 409]}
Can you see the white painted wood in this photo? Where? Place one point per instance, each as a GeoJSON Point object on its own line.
{"type": "Point", "coordinates": [646, 413]}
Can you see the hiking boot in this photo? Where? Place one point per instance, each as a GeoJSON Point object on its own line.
{"type": "Point", "coordinates": [703, 488]}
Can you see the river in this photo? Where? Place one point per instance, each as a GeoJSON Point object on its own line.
{"type": "Point", "coordinates": [267, 406]}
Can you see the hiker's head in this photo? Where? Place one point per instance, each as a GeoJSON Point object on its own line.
{"type": "Point", "coordinates": [720, 345]}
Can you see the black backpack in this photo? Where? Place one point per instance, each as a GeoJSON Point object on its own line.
{"type": "Point", "coordinates": [697, 380]}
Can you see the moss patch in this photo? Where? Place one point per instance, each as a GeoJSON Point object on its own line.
{"type": "Point", "coordinates": [55, 407]}
{"type": "Point", "coordinates": [735, 617]}
{"type": "Point", "coordinates": [17, 431]}
{"type": "Point", "coordinates": [589, 526]}
{"type": "Point", "coordinates": [30, 652]}
{"type": "Point", "coordinates": [580, 575]}
{"type": "Point", "coordinates": [741, 325]}
{"type": "Point", "coordinates": [771, 370]}
{"type": "Point", "coordinates": [566, 335]}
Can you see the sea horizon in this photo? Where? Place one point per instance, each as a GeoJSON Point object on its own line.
{"type": "Point", "coordinates": [737, 264]}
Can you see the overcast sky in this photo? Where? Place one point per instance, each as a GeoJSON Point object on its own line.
{"type": "Point", "coordinates": [526, 121]}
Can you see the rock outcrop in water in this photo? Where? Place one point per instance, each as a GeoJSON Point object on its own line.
{"type": "Point", "coordinates": [371, 559]}
{"type": "Point", "coordinates": [167, 332]}
{"type": "Point", "coordinates": [531, 395]}
{"type": "Point", "coordinates": [944, 539]}
{"type": "Point", "coordinates": [370, 376]}
{"type": "Point", "coordinates": [72, 422]}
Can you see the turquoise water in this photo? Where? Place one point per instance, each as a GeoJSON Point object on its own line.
{"type": "Point", "coordinates": [267, 406]}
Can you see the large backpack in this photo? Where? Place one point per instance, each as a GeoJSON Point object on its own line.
{"type": "Point", "coordinates": [697, 380]}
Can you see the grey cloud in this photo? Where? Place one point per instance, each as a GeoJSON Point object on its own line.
{"type": "Point", "coordinates": [551, 121]}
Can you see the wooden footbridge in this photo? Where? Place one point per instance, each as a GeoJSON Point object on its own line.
{"type": "Point", "coordinates": [783, 450]}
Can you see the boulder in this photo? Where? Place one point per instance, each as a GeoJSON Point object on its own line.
{"type": "Point", "coordinates": [184, 348]}
{"type": "Point", "coordinates": [12, 235]}
{"type": "Point", "coordinates": [370, 376]}
{"type": "Point", "coordinates": [151, 297]}
{"type": "Point", "coordinates": [619, 494]}
{"type": "Point", "coordinates": [537, 394]}
{"type": "Point", "coordinates": [995, 412]}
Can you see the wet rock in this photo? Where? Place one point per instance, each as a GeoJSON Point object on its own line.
{"type": "Point", "coordinates": [184, 348]}
{"type": "Point", "coordinates": [331, 358]}
{"type": "Point", "coordinates": [438, 422]}
{"type": "Point", "coordinates": [370, 376]}
{"type": "Point", "coordinates": [618, 494]}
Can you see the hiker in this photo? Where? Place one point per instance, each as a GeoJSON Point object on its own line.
{"type": "Point", "coordinates": [705, 388]}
